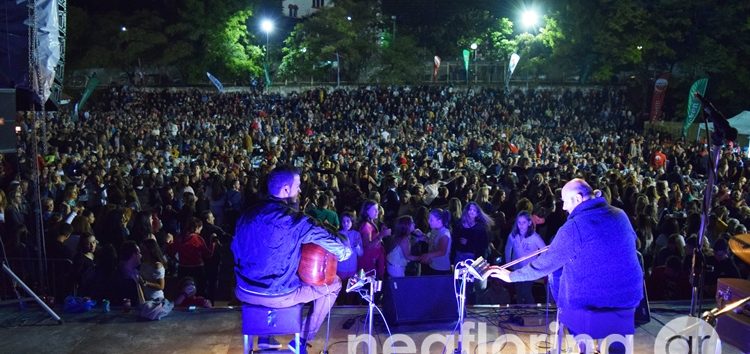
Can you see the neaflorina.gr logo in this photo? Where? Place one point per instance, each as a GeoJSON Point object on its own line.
{"type": "Point", "coordinates": [687, 335]}
{"type": "Point", "coordinates": [476, 339]}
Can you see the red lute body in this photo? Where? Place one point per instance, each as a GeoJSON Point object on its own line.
{"type": "Point", "coordinates": [317, 266]}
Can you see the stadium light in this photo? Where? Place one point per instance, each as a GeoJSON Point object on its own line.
{"type": "Point", "coordinates": [266, 26]}
{"type": "Point", "coordinates": [529, 18]}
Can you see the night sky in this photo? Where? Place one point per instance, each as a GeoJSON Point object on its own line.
{"type": "Point", "coordinates": [411, 12]}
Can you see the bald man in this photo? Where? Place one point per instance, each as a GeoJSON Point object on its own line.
{"type": "Point", "coordinates": [595, 274]}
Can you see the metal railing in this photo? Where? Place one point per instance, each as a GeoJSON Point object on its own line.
{"type": "Point", "coordinates": [58, 282]}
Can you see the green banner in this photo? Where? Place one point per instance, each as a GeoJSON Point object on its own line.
{"type": "Point", "coordinates": [91, 85]}
{"type": "Point", "coordinates": [467, 56]}
{"type": "Point", "coordinates": [694, 105]}
{"type": "Point", "coordinates": [267, 75]}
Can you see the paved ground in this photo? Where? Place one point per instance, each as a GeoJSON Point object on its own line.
{"type": "Point", "coordinates": [218, 331]}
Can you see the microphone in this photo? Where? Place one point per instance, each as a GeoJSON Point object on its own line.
{"type": "Point", "coordinates": [478, 268]}
{"type": "Point", "coordinates": [721, 124]}
{"type": "Point", "coordinates": [357, 281]}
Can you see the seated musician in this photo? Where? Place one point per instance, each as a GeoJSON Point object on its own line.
{"type": "Point", "coordinates": [267, 254]}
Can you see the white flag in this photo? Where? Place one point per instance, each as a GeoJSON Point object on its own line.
{"type": "Point", "coordinates": [514, 58]}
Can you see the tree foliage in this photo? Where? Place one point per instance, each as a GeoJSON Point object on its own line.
{"type": "Point", "coordinates": [599, 40]}
{"type": "Point", "coordinates": [194, 35]}
{"type": "Point", "coordinates": [689, 38]}
{"type": "Point", "coordinates": [311, 49]}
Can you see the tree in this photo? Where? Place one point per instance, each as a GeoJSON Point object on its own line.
{"type": "Point", "coordinates": [141, 42]}
{"type": "Point", "coordinates": [401, 63]}
{"type": "Point", "coordinates": [314, 45]}
{"type": "Point", "coordinates": [232, 46]}
{"type": "Point", "coordinates": [689, 38]}
{"type": "Point", "coordinates": [213, 37]}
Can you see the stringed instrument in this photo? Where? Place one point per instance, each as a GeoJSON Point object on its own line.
{"type": "Point", "coordinates": [317, 266]}
{"type": "Point", "coordinates": [740, 246]}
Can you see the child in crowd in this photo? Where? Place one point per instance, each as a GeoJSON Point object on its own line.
{"type": "Point", "coordinates": [346, 269]}
{"type": "Point", "coordinates": [188, 295]}
{"type": "Point", "coordinates": [399, 252]}
{"type": "Point", "coordinates": [437, 258]}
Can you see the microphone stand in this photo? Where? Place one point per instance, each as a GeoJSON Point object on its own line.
{"type": "Point", "coordinates": [722, 131]}
{"type": "Point", "coordinates": [461, 305]}
{"type": "Point", "coordinates": [375, 286]}
{"type": "Point", "coordinates": [470, 270]}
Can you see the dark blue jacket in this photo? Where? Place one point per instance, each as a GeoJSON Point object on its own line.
{"type": "Point", "coordinates": [595, 254]}
{"type": "Point", "coordinates": [267, 247]}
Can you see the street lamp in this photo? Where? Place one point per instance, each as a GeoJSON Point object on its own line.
{"type": "Point", "coordinates": [394, 28]}
{"type": "Point", "coordinates": [529, 18]}
{"type": "Point", "coordinates": [474, 47]}
{"type": "Point", "coordinates": [266, 25]}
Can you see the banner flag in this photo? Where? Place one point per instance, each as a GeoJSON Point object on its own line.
{"type": "Point", "coordinates": [657, 101]}
{"type": "Point", "coordinates": [467, 55]}
{"type": "Point", "coordinates": [694, 104]}
{"type": "Point", "coordinates": [435, 68]}
{"type": "Point", "coordinates": [514, 58]}
{"type": "Point", "coordinates": [216, 82]}
{"type": "Point", "coordinates": [91, 85]}
{"type": "Point", "coordinates": [267, 76]}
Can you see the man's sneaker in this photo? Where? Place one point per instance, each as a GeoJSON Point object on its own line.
{"type": "Point", "coordinates": [268, 343]}
{"type": "Point", "coordinates": [302, 346]}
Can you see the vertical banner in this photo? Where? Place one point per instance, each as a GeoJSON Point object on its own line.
{"type": "Point", "coordinates": [514, 58]}
{"type": "Point", "coordinates": [215, 81]}
{"type": "Point", "coordinates": [467, 56]}
{"type": "Point", "coordinates": [266, 75]}
{"type": "Point", "coordinates": [91, 85]}
{"type": "Point", "coordinates": [47, 49]}
{"type": "Point", "coordinates": [657, 101]}
{"type": "Point", "coordinates": [435, 68]}
{"type": "Point", "coordinates": [694, 104]}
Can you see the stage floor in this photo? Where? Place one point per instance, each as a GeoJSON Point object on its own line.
{"type": "Point", "coordinates": [218, 331]}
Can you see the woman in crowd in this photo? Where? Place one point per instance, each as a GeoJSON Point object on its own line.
{"type": "Point", "coordinates": [373, 256]}
{"type": "Point", "coordinates": [471, 235]}
{"type": "Point", "coordinates": [523, 241]}
{"type": "Point", "coordinates": [84, 265]}
{"type": "Point", "coordinates": [82, 223]}
{"type": "Point", "coordinates": [437, 257]}
{"type": "Point", "coordinates": [141, 227]}
{"type": "Point", "coordinates": [399, 253]}
{"type": "Point", "coordinates": [152, 270]}
{"type": "Point", "coordinates": [105, 272]}
{"type": "Point", "coordinates": [455, 207]}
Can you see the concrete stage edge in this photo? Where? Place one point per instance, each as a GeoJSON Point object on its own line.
{"type": "Point", "coordinates": [218, 330]}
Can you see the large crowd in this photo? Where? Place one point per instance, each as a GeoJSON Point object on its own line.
{"type": "Point", "coordinates": [148, 184]}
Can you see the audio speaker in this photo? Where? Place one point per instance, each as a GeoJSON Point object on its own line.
{"type": "Point", "coordinates": [413, 300]}
{"type": "Point", "coordinates": [7, 121]}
